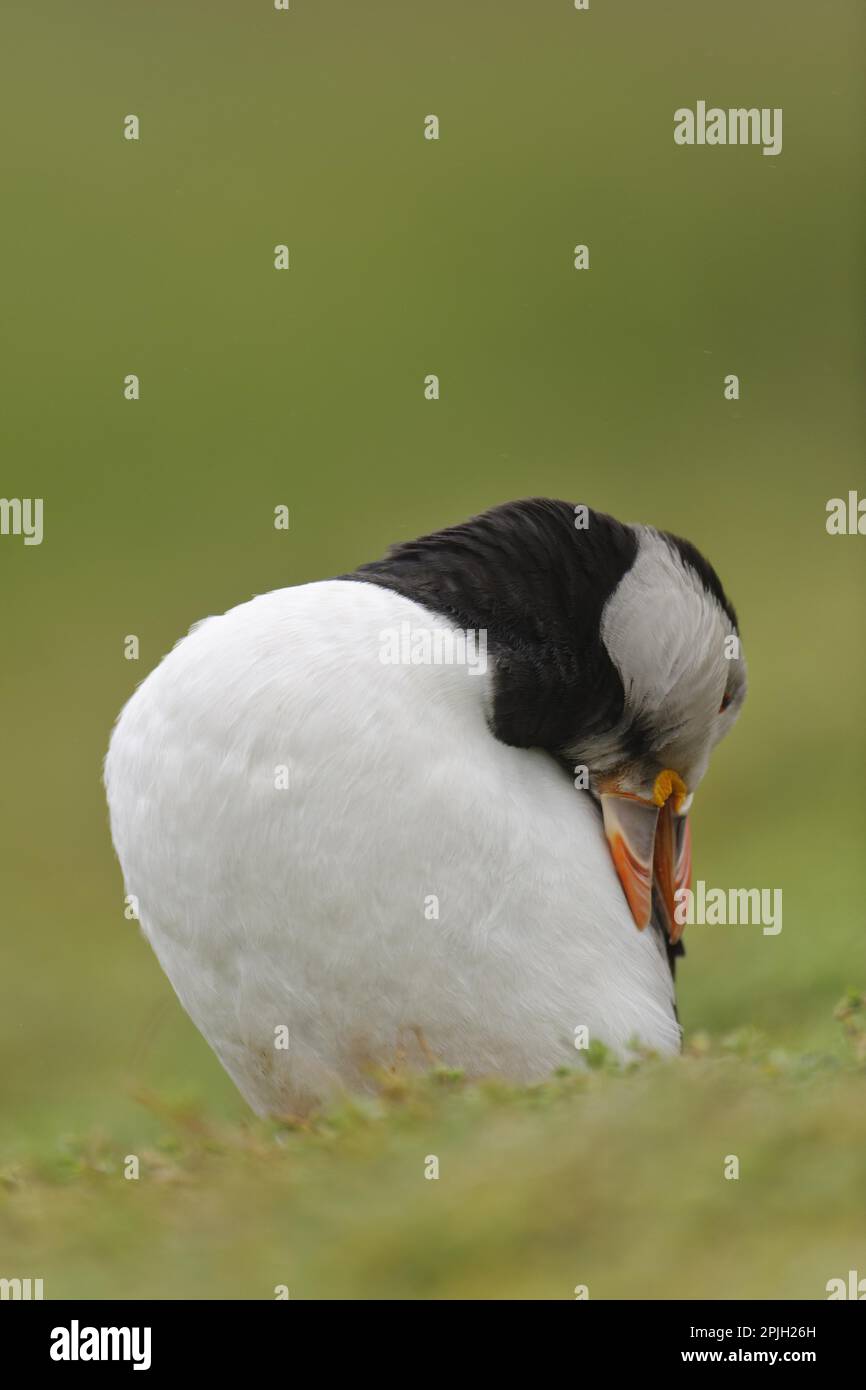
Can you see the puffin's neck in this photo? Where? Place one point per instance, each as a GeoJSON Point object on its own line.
{"type": "Point", "coordinates": [537, 583]}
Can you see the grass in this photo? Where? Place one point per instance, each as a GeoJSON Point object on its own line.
{"type": "Point", "coordinates": [606, 1176]}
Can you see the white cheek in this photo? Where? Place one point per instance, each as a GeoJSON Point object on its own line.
{"type": "Point", "coordinates": [698, 772]}
{"type": "Point", "coordinates": [659, 625]}
{"type": "Point", "coordinates": [666, 636]}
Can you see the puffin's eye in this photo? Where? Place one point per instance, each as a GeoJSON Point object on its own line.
{"type": "Point", "coordinates": [726, 700]}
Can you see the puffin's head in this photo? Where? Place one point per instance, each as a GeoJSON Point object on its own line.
{"type": "Point", "coordinates": [614, 648]}
{"type": "Point", "coordinates": [671, 636]}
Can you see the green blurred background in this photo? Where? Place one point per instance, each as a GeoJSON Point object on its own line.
{"type": "Point", "coordinates": [305, 387]}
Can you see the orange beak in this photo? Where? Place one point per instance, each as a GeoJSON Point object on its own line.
{"type": "Point", "coordinates": [651, 849]}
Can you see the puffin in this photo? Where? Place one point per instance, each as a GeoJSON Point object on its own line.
{"type": "Point", "coordinates": [434, 811]}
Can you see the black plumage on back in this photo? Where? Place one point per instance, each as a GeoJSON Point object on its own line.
{"type": "Point", "coordinates": [537, 583]}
